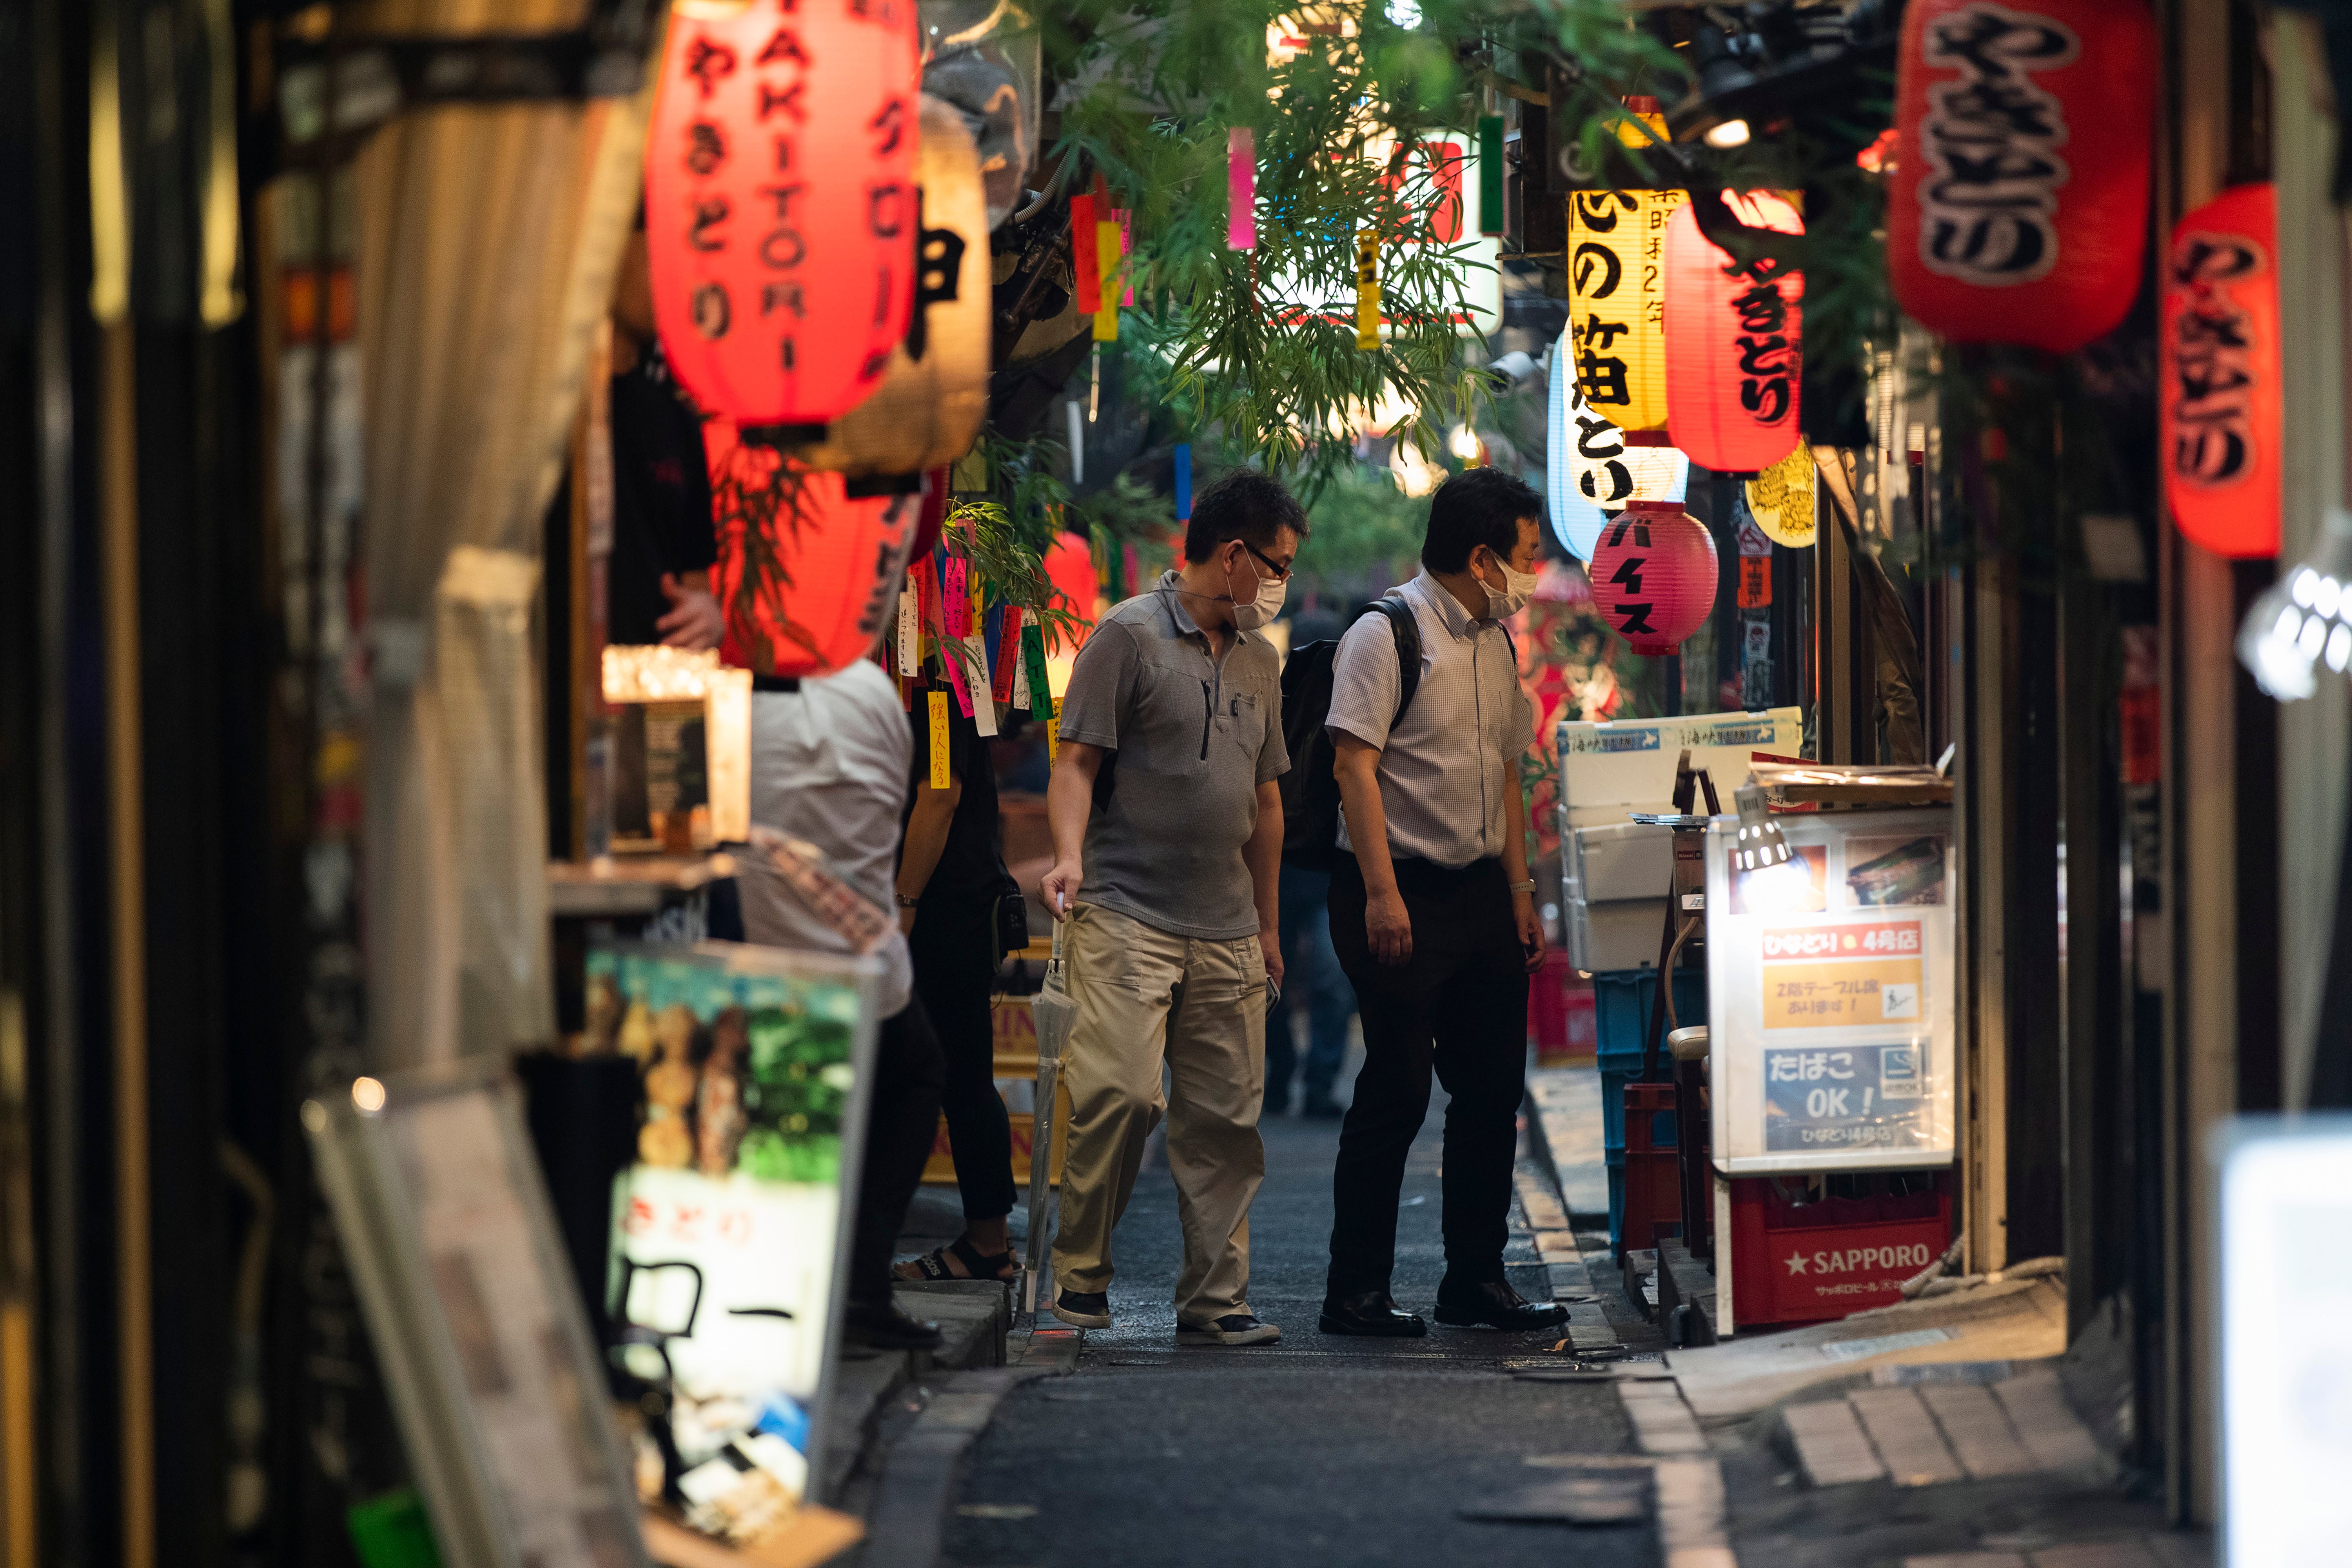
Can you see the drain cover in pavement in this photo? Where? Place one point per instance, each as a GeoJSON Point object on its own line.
{"type": "Point", "coordinates": [1580, 1500]}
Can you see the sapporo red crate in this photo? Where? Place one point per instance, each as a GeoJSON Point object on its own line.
{"type": "Point", "coordinates": [1790, 1266]}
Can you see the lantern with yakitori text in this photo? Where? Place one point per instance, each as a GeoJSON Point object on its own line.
{"type": "Point", "coordinates": [932, 399]}
{"type": "Point", "coordinates": [2220, 410]}
{"type": "Point", "coordinates": [2018, 205]}
{"type": "Point", "coordinates": [1653, 576]}
{"type": "Point", "coordinates": [780, 203]}
{"type": "Point", "coordinates": [807, 575]}
{"type": "Point", "coordinates": [1616, 302]}
{"type": "Point", "coordinates": [1734, 341]}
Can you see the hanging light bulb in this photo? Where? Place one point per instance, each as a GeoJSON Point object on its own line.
{"type": "Point", "coordinates": [2303, 617]}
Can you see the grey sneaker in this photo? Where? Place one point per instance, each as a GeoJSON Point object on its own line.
{"type": "Point", "coordinates": [1233, 1329]}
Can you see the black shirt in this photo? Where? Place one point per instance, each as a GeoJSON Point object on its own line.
{"type": "Point", "coordinates": [971, 865]}
{"type": "Point", "coordinates": [661, 499]}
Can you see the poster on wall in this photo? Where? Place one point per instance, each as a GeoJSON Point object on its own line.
{"type": "Point", "coordinates": [731, 1230]}
{"type": "Point", "coordinates": [1830, 1003]}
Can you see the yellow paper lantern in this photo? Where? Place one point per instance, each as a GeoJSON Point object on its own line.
{"type": "Point", "coordinates": [1617, 302]}
{"type": "Point", "coordinates": [1781, 499]}
{"type": "Point", "coordinates": [932, 398]}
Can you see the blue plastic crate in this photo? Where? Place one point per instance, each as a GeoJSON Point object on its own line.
{"type": "Point", "coordinates": [1621, 1000]}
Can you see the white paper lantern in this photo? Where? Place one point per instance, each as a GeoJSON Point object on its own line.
{"type": "Point", "coordinates": [1591, 471]}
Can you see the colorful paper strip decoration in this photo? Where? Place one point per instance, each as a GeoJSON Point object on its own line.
{"type": "Point", "coordinates": [1033, 648]}
{"type": "Point", "coordinates": [1241, 189]}
{"type": "Point", "coordinates": [1368, 290]}
{"type": "Point", "coordinates": [1490, 173]}
{"type": "Point", "coordinates": [1110, 256]}
{"type": "Point", "coordinates": [941, 777]}
{"type": "Point", "coordinates": [1006, 658]}
{"type": "Point", "coordinates": [1086, 266]}
{"type": "Point", "coordinates": [1184, 481]}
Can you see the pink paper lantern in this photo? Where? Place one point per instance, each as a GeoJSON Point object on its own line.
{"type": "Point", "coordinates": [1653, 576]}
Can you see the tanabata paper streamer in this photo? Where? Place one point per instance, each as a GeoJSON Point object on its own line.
{"type": "Point", "coordinates": [1368, 290]}
{"type": "Point", "coordinates": [1086, 236]}
{"type": "Point", "coordinates": [1241, 189]}
{"type": "Point", "coordinates": [1184, 481]}
{"type": "Point", "coordinates": [940, 778]}
{"type": "Point", "coordinates": [1490, 173]}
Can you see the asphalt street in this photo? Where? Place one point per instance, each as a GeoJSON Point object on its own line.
{"type": "Point", "coordinates": [1315, 1450]}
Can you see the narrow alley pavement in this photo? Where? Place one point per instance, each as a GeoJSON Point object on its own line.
{"type": "Point", "coordinates": [1316, 1450]}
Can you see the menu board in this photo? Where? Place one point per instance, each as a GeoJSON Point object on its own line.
{"type": "Point", "coordinates": [730, 1229]}
{"type": "Point", "coordinates": [1829, 1017]}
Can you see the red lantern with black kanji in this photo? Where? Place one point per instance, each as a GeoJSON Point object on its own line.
{"type": "Point", "coordinates": [1653, 576]}
{"type": "Point", "coordinates": [780, 203]}
{"type": "Point", "coordinates": [807, 575]}
{"type": "Point", "coordinates": [2222, 398]}
{"type": "Point", "coordinates": [1734, 342]}
{"type": "Point", "coordinates": [2018, 204]}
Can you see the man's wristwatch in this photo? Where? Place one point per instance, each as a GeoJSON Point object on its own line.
{"type": "Point", "coordinates": [907, 903]}
{"type": "Point", "coordinates": [1526, 887]}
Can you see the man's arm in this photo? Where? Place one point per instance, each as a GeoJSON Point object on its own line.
{"type": "Point", "coordinates": [1387, 927]}
{"type": "Point", "coordinates": [1263, 854]}
{"type": "Point", "coordinates": [1069, 801]}
{"type": "Point", "coordinates": [1515, 867]}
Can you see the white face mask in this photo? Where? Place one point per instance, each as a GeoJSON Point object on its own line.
{"type": "Point", "coordinates": [1249, 615]}
{"type": "Point", "coordinates": [1517, 588]}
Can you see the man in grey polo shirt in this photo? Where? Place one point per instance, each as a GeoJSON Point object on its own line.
{"type": "Point", "coordinates": [1167, 827]}
{"type": "Point", "coordinates": [1432, 912]}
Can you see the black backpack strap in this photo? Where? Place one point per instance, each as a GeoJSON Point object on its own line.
{"type": "Point", "coordinates": [1407, 631]}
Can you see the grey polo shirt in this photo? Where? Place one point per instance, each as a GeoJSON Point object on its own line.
{"type": "Point", "coordinates": [1194, 737]}
{"type": "Point", "coordinates": [1442, 785]}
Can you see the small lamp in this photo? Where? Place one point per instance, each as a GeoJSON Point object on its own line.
{"type": "Point", "coordinates": [1761, 843]}
{"type": "Point", "coordinates": [2305, 616]}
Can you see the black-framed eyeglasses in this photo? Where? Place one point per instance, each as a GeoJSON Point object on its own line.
{"type": "Point", "coordinates": [1281, 572]}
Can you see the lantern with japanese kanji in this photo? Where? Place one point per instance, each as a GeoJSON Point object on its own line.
{"type": "Point", "coordinates": [1591, 468]}
{"type": "Point", "coordinates": [1734, 338]}
{"type": "Point", "coordinates": [934, 396]}
{"type": "Point", "coordinates": [1616, 315]}
{"type": "Point", "coordinates": [2019, 200]}
{"type": "Point", "coordinates": [780, 203]}
{"type": "Point", "coordinates": [1654, 576]}
{"type": "Point", "coordinates": [2220, 405]}
{"type": "Point", "coordinates": [808, 576]}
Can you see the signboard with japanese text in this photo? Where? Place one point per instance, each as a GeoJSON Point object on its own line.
{"type": "Point", "coordinates": [1829, 996]}
{"type": "Point", "coordinates": [731, 1229]}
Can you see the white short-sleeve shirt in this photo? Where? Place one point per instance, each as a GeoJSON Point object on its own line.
{"type": "Point", "coordinates": [1442, 768]}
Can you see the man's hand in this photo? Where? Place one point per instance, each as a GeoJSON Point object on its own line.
{"type": "Point", "coordinates": [905, 922]}
{"type": "Point", "coordinates": [1388, 928]}
{"type": "Point", "coordinates": [1059, 890]}
{"type": "Point", "coordinates": [1269, 944]}
{"type": "Point", "coordinates": [694, 620]}
{"type": "Point", "coordinates": [1531, 929]}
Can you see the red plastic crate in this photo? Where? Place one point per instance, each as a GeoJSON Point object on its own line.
{"type": "Point", "coordinates": [1825, 1260]}
{"type": "Point", "coordinates": [1559, 1012]}
{"type": "Point", "coordinates": [1653, 1179]}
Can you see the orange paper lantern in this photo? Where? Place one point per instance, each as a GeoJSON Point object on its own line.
{"type": "Point", "coordinates": [2221, 395]}
{"type": "Point", "coordinates": [807, 575]}
{"type": "Point", "coordinates": [1734, 342]}
{"type": "Point", "coordinates": [780, 203]}
{"type": "Point", "coordinates": [2019, 201]}
{"type": "Point", "coordinates": [1653, 576]}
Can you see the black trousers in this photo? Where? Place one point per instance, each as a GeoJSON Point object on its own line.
{"type": "Point", "coordinates": [954, 948]}
{"type": "Point", "coordinates": [1459, 1006]}
{"type": "Point", "coordinates": [902, 1118]}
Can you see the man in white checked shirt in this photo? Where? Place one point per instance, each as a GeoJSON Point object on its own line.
{"type": "Point", "coordinates": [1432, 911]}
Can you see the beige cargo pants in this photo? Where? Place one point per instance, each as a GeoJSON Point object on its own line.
{"type": "Point", "coordinates": [1143, 994]}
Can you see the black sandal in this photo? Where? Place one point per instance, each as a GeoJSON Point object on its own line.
{"type": "Point", "coordinates": [934, 1265]}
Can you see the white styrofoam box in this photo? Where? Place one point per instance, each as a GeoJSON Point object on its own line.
{"type": "Point", "coordinates": [1624, 860]}
{"type": "Point", "coordinates": [1622, 934]}
{"type": "Point", "coordinates": [1610, 768]}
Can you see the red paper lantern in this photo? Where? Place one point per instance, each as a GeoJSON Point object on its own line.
{"type": "Point", "coordinates": [780, 203]}
{"type": "Point", "coordinates": [1734, 342]}
{"type": "Point", "coordinates": [1070, 567]}
{"type": "Point", "coordinates": [2019, 199]}
{"type": "Point", "coordinates": [1653, 576]}
{"type": "Point", "coordinates": [807, 576]}
{"type": "Point", "coordinates": [2222, 397]}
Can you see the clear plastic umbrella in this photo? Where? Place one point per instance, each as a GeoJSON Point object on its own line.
{"type": "Point", "coordinates": [1053, 1013]}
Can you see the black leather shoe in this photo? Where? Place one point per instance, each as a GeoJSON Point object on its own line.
{"type": "Point", "coordinates": [1372, 1314]}
{"type": "Point", "coordinates": [879, 1325]}
{"type": "Point", "coordinates": [1492, 1303]}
